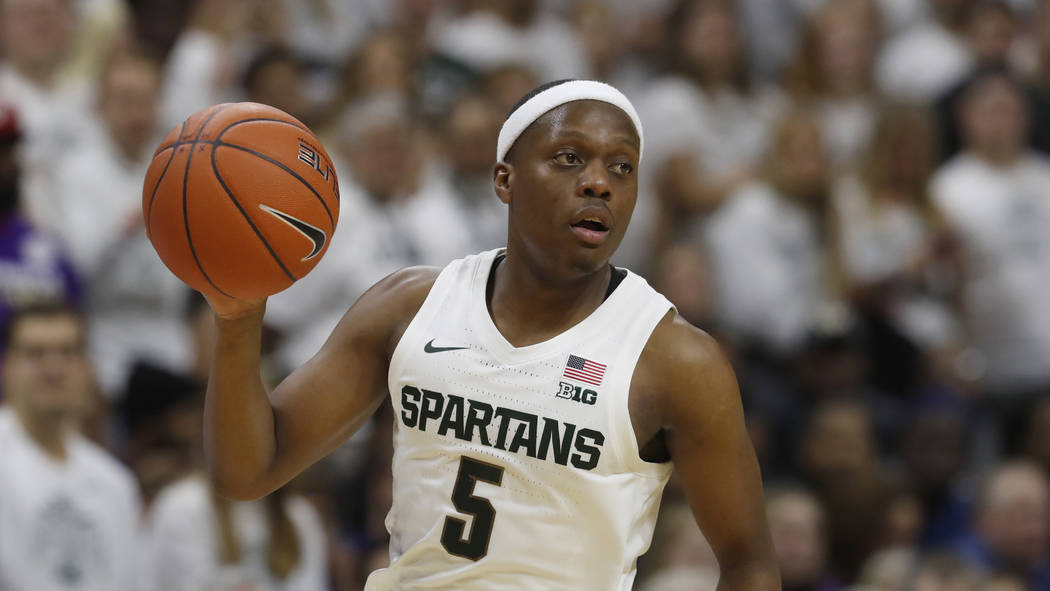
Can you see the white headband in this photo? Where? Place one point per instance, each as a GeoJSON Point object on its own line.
{"type": "Point", "coordinates": [555, 96]}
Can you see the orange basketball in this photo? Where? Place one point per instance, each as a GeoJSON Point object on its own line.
{"type": "Point", "coordinates": [241, 199]}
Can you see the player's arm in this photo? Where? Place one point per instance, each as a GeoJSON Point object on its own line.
{"type": "Point", "coordinates": [255, 441]}
{"type": "Point", "coordinates": [699, 410]}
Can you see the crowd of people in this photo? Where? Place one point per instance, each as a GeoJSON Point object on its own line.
{"type": "Point", "coordinates": [852, 196]}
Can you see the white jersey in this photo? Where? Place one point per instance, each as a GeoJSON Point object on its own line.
{"type": "Point", "coordinates": [68, 525]}
{"type": "Point", "coordinates": [517, 467]}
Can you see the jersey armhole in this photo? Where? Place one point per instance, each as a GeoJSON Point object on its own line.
{"type": "Point", "coordinates": [438, 292]}
{"type": "Point", "coordinates": [627, 446]}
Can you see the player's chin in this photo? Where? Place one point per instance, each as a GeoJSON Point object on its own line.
{"type": "Point", "coordinates": [589, 258]}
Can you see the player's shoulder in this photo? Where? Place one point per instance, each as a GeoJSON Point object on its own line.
{"type": "Point", "coordinates": [408, 287]}
{"type": "Point", "coordinates": [683, 366]}
{"type": "Point", "coordinates": [676, 347]}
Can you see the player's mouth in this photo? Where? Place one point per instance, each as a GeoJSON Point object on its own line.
{"type": "Point", "coordinates": [591, 228]}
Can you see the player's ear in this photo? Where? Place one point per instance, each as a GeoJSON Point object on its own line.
{"type": "Point", "coordinates": [501, 179]}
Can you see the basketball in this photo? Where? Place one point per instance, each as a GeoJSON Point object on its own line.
{"type": "Point", "coordinates": [240, 200]}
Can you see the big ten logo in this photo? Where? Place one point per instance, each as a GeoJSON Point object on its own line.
{"type": "Point", "coordinates": [310, 156]}
{"type": "Point", "coordinates": [576, 393]}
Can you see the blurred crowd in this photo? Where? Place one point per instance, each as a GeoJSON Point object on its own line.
{"type": "Point", "coordinates": [853, 196]}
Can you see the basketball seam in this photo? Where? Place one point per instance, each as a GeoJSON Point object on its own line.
{"type": "Point", "coordinates": [185, 213]}
{"type": "Point", "coordinates": [282, 166]}
{"type": "Point", "coordinates": [153, 194]}
{"type": "Point", "coordinates": [219, 141]}
{"type": "Point", "coordinates": [218, 176]}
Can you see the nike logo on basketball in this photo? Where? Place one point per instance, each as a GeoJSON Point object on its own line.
{"type": "Point", "coordinates": [430, 348]}
{"type": "Point", "coordinates": [314, 234]}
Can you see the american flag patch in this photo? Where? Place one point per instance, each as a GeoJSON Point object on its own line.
{"type": "Point", "coordinates": [584, 370]}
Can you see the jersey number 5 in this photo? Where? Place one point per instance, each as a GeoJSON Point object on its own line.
{"type": "Point", "coordinates": [476, 545]}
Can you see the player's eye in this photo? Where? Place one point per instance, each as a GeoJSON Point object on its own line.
{"type": "Point", "coordinates": [622, 168]}
{"type": "Point", "coordinates": [567, 158]}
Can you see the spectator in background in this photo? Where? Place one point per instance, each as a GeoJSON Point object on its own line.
{"type": "Point", "coordinates": [896, 257]}
{"type": "Point", "coordinates": [839, 458]}
{"type": "Point", "coordinates": [469, 142]}
{"type": "Point", "coordinates": [382, 64]}
{"type": "Point", "coordinates": [277, 77]}
{"type": "Point", "coordinates": [769, 243]}
{"type": "Point", "coordinates": [796, 522]}
{"type": "Point", "coordinates": [603, 37]}
{"type": "Point", "coordinates": [1037, 70]}
{"type": "Point", "coordinates": [157, 24]}
{"type": "Point", "coordinates": [834, 73]}
{"type": "Point", "coordinates": [326, 31]}
{"type": "Point", "coordinates": [209, 53]}
{"type": "Point", "coordinates": [395, 211]}
{"type": "Point", "coordinates": [946, 572]}
{"type": "Point", "coordinates": [1034, 443]}
{"type": "Point", "coordinates": [70, 512]}
{"type": "Point", "coordinates": [706, 127]}
{"type": "Point", "coordinates": [33, 266]}
{"type": "Point", "coordinates": [505, 85]}
{"type": "Point", "coordinates": [199, 540]}
{"type": "Point", "coordinates": [995, 196]}
{"type": "Point", "coordinates": [683, 274]}
{"type": "Point", "coordinates": [680, 559]}
{"type": "Point", "coordinates": [991, 31]}
{"type": "Point", "coordinates": [135, 306]}
{"type": "Point", "coordinates": [163, 417]}
{"type": "Point", "coordinates": [494, 33]}
{"type": "Point", "coordinates": [923, 62]}
{"type": "Point", "coordinates": [933, 452]}
{"type": "Point", "coordinates": [1012, 524]}
{"type": "Point", "coordinates": [35, 37]}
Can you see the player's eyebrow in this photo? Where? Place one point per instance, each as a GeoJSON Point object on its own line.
{"type": "Point", "coordinates": [580, 134]}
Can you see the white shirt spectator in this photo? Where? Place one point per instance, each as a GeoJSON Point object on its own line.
{"type": "Point", "coordinates": [69, 525]}
{"type": "Point", "coordinates": [193, 76]}
{"type": "Point", "coordinates": [846, 127]}
{"type": "Point", "coordinates": [56, 122]}
{"type": "Point", "coordinates": [725, 132]}
{"type": "Point", "coordinates": [135, 306]}
{"type": "Point", "coordinates": [881, 242]}
{"type": "Point", "coordinates": [768, 266]}
{"type": "Point", "coordinates": [184, 543]}
{"type": "Point", "coordinates": [922, 63]}
{"type": "Point", "coordinates": [329, 30]}
{"type": "Point", "coordinates": [484, 41]}
{"type": "Point", "coordinates": [371, 241]}
{"type": "Point", "coordinates": [1002, 216]}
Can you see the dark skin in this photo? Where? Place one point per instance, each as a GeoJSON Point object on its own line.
{"type": "Point", "coordinates": [576, 162]}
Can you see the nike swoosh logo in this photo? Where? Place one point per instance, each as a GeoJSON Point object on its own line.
{"type": "Point", "coordinates": [430, 348]}
{"type": "Point", "coordinates": [315, 235]}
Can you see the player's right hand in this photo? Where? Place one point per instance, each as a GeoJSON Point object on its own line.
{"type": "Point", "coordinates": [228, 308]}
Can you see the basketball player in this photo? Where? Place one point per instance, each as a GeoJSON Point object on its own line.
{"type": "Point", "coordinates": [541, 396]}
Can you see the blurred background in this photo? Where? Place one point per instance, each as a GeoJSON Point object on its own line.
{"type": "Point", "coordinates": [851, 195]}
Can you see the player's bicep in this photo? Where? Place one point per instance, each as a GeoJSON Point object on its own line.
{"type": "Point", "coordinates": [713, 455]}
{"type": "Point", "coordinates": [330, 396]}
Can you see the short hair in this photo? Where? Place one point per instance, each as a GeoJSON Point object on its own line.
{"type": "Point", "coordinates": [273, 54]}
{"type": "Point", "coordinates": [38, 309]}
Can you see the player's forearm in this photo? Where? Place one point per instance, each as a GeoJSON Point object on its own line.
{"type": "Point", "coordinates": [239, 438]}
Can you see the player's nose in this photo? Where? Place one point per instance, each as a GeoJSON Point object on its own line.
{"type": "Point", "coordinates": [594, 181]}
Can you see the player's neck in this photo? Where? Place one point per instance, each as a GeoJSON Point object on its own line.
{"type": "Point", "coordinates": [47, 430]}
{"type": "Point", "coordinates": [529, 308]}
